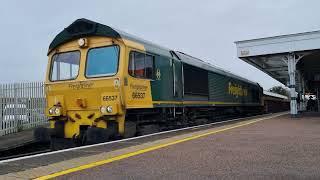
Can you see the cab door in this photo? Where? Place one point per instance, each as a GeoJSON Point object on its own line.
{"type": "Point", "coordinates": [177, 79]}
{"type": "Point", "coordinates": [140, 76]}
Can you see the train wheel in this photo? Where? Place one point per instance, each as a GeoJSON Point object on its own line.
{"type": "Point", "coordinates": [148, 129]}
{"type": "Point", "coordinates": [130, 129]}
{"type": "Point", "coordinates": [112, 130]}
{"type": "Point", "coordinates": [42, 135]}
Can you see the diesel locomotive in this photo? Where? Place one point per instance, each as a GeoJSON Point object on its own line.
{"type": "Point", "coordinates": [103, 83]}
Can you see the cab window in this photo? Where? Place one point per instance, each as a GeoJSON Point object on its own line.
{"type": "Point", "coordinates": [141, 65]}
{"type": "Point", "coordinates": [65, 66]}
{"type": "Point", "coordinates": [102, 61]}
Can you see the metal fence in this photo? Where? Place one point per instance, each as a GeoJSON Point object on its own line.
{"type": "Point", "coordinates": [22, 106]}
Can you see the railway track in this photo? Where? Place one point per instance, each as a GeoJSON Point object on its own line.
{"type": "Point", "coordinates": [26, 150]}
{"type": "Point", "coordinates": [36, 149]}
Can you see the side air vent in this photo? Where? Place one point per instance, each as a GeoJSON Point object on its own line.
{"type": "Point", "coordinates": [80, 27]}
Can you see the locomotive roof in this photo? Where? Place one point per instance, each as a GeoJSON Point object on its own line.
{"type": "Point", "coordinates": [85, 27]}
{"type": "Point", "coordinates": [205, 65]}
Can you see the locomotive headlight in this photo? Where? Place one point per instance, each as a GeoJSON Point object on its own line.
{"type": "Point", "coordinates": [109, 109]}
{"type": "Point", "coordinates": [106, 109]}
{"type": "Point", "coordinates": [57, 111]}
{"type": "Point", "coordinates": [82, 42]}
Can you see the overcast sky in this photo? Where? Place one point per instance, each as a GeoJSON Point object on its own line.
{"type": "Point", "coordinates": [203, 28]}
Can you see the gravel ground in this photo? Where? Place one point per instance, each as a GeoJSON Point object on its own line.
{"type": "Point", "coordinates": [281, 148]}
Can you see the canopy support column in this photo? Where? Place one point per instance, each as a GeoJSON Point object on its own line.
{"type": "Point", "coordinates": [292, 61]}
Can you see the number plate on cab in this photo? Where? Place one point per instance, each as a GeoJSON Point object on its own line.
{"type": "Point", "coordinates": [111, 99]}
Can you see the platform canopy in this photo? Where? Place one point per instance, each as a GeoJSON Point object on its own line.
{"type": "Point", "coordinates": [292, 59]}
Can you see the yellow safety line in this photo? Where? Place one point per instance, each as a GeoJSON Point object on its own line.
{"type": "Point", "coordinates": [123, 156]}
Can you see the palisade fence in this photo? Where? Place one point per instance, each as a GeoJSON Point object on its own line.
{"type": "Point", "coordinates": [22, 106]}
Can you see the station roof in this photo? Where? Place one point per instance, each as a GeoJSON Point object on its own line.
{"type": "Point", "coordinates": [268, 93]}
{"type": "Point", "coordinates": [268, 54]}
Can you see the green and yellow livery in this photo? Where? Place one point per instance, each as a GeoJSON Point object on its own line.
{"type": "Point", "coordinates": [102, 83]}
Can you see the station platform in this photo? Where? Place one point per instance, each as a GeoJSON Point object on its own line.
{"type": "Point", "coordinates": [269, 147]}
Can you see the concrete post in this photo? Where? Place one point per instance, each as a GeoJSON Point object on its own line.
{"type": "Point", "coordinates": [292, 61]}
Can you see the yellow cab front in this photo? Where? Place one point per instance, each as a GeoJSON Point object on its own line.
{"type": "Point", "coordinates": [83, 85]}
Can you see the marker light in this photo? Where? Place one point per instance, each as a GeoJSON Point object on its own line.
{"type": "Point", "coordinates": [103, 109]}
{"type": "Point", "coordinates": [51, 111]}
